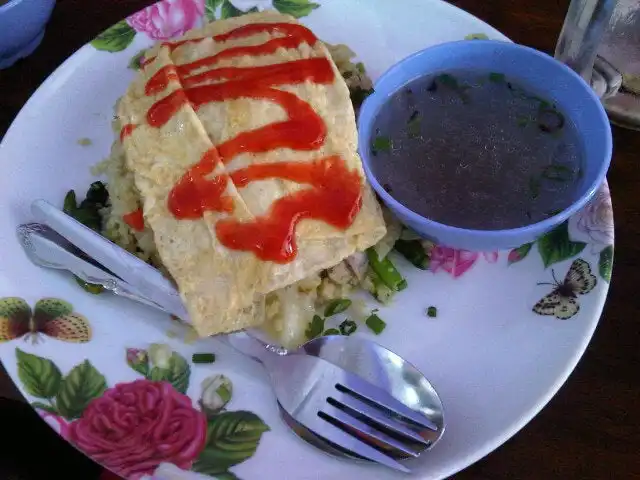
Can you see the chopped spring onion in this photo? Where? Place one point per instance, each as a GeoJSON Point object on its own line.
{"type": "Point", "coordinates": [557, 173]}
{"type": "Point", "coordinates": [413, 251]}
{"type": "Point", "coordinates": [432, 312]}
{"type": "Point", "coordinates": [496, 77]}
{"type": "Point", "coordinates": [534, 187]}
{"type": "Point", "coordinates": [203, 357]}
{"type": "Point", "coordinates": [381, 144]}
{"type": "Point", "coordinates": [386, 271]}
{"type": "Point", "coordinates": [413, 125]}
{"type": "Point", "coordinates": [348, 327]}
{"type": "Point", "coordinates": [375, 324]}
{"type": "Point", "coordinates": [476, 36]}
{"type": "Point", "coordinates": [336, 306]}
{"type": "Point", "coordinates": [448, 80]}
{"type": "Point", "coordinates": [549, 119]}
{"type": "Point", "coordinates": [331, 331]}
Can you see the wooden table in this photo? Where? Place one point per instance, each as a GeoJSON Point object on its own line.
{"type": "Point", "coordinates": [590, 430]}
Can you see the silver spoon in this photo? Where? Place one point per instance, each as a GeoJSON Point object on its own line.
{"type": "Point", "coordinates": [381, 367]}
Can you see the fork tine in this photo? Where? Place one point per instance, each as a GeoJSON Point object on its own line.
{"type": "Point", "coordinates": [333, 434]}
{"type": "Point", "coordinates": [357, 387]}
{"type": "Point", "coordinates": [357, 407]}
{"type": "Point", "coordinates": [385, 441]}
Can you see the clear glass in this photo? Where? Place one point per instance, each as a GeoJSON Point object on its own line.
{"type": "Point", "coordinates": [600, 40]}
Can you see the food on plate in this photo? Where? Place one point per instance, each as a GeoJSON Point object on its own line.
{"type": "Point", "coordinates": [235, 172]}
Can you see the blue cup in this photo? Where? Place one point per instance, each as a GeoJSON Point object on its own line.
{"type": "Point", "coordinates": [552, 80]}
{"type": "Point", "coordinates": [22, 25]}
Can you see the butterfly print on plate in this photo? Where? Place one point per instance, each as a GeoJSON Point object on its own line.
{"type": "Point", "coordinates": [562, 302]}
{"type": "Point", "coordinates": [51, 317]}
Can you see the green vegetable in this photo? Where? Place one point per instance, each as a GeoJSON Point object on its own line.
{"type": "Point", "coordinates": [451, 82]}
{"type": "Point", "coordinates": [476, 36]}
{"type": "Point", "coordinates": [496, 77]}
{"type": "Point", "coordinates": [557, 173]}
{"type": "Point", "coordinates": [432, 312]}
{"type": "Point", "coordinates": [549, 119]}
{"type": "Point", "coordinates": [88, 212]}
{"type": "Point", "coordinates": [92, 288]}
{"type": "Point", "coordinates": [381, 144]}
{"type": "Point", "coordinates": [348, 327]}
{"type": "Point", "coordinates": [70, 204]}
{"type": "Point", "coordinates": [315, 328]}
{"type": "Point", "coordinates": [331, 331]}
{"type": "Point", "coordinates": [203, 357]}
{"type": "Point", "coordinates": [358, 95]}
{"type": "Point", "coordinates": [385, 270]}
{"type": "Point", "coordinates": [403, 284]}
{"type": "Point", "coordinates": [534, 187]}
{"type": "Point", "coordinates": [360, 67]}
{"type": "Point", "coordinates": [448, 81]}
{"type": "Point", "coordinates": [377, 288]}
{"type": "Point", "coordinates": [97, 195]}
{"type": "Point", "coordinates": [336, 306]}
{"type": "Point", "coordinates": [413, 125]}
{"type": "Point", "coordinates": [413, 251]}
{"type": "Point", "coordinates": [375, 323]}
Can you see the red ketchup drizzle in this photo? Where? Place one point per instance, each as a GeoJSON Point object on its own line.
{"type": "Point", "coordinates": [135, 220]}
{"type": "Point", "coordinates": [334, 195]}
{"type": "Point", "coordinates": [126, 131]}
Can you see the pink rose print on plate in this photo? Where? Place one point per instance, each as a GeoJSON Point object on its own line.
{"type": "Point", "coordinates": [594, 223]}
{"type": "Point", "coordinates": [167, 18]}
{"type": "Point", "coordinates": [134, 427]}
{"type": "Point", "coordinates": [457, 262]}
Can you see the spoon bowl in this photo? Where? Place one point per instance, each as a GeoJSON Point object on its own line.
{"type": "Point", "coordinates": [381, 367]}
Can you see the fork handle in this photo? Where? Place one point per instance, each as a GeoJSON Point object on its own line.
{"type": "Point", "coordinates": [255, 348]}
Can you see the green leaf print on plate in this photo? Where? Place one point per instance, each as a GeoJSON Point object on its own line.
{"type": "Point", "coordinates": [115, 38]}
{"type": "Point", "coordinates": [229, 11]}
{"type": "Point", "coordinates": [84, 409]}
{"type": "Point", "coordinates": [210, 9]}
{"type": "Point", "coordinates": [518, 254]}
{"type": "Point", "coordinates": [605, 263]}
{"type": "Point", "coordinates": [82, 384]}
{"type": "Point", "coordinates": [295, 8]}
{"type": "Point", "coordinates": [39, 376]}
{"type": "Point", "coordinates": [556, 246]}
{"type": "Point", "coordinates": [232, 438]}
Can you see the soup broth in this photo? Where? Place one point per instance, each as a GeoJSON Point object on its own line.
{"type": "Point", "coordinates": [476, 150]}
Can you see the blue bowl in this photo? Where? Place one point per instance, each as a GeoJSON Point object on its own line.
{"type": "Point", "coordinates": [552, 80]}
{"type": "Point", "coordinates": [22, 25]}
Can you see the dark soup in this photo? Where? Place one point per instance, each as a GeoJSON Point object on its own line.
{"type": "Point", "coordinates": [476, 150]}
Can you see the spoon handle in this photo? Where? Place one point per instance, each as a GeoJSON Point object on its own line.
{"type": "Point", "coordinates": [255, 348]}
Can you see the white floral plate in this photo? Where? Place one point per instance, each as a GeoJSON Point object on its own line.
{"type": "Point", "coordinates": [87, 364]}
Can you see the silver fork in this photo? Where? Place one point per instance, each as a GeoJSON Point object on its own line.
{"type": "Point", "coordinates": [342, 408]}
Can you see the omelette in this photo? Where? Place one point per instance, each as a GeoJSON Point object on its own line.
{"type": "Point", "coordinates": [241, 141]}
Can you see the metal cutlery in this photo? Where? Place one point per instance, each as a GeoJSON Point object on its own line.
{"type": "Point", "coordinates": [340, 407]}
{"type": "Point", "coordinates": [343, 407]}
{"type": "Point", "coordinates": [141, 277]}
